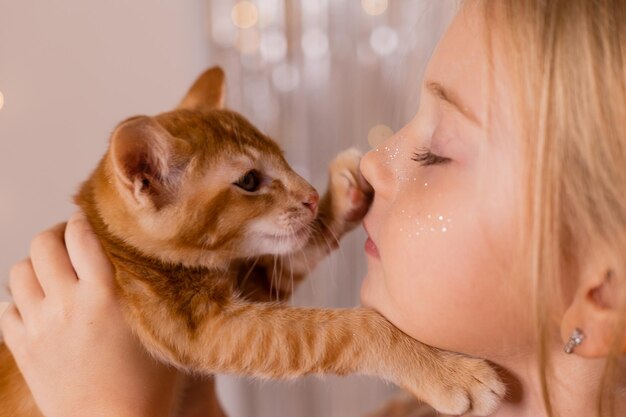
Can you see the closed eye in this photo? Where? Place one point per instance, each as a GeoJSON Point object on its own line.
{"type": "Point", "coordinates": [425, 157]}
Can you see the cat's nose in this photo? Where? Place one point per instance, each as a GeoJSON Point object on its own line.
{"type": "Point", "coordinates": [311, 201]}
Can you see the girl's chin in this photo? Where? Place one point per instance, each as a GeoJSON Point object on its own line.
{"type": "Point", "coordinates": [368, 293]}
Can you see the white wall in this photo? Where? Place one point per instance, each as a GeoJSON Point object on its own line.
{"type": "Point", "coordinates": [69, 71]}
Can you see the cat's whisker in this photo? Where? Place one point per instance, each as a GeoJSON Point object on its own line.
{"type": "Point", "coordinates": [320, 233]}
{"type": "Point", "coordinates": [230, 258]}
{"type": "Point", "coordinates": [330, 230]}
{"type": "Point", "coordinates": [342, 254]}
{"type": "Point", "coordinates": [273, 276]}
{"type": "Point", "coordinates": [280, 261]}
{"type": "Point", "coordinates": [308, 268]}
{"type": "Point", "coordinates": [247, 276]}
{"type": "Point", "coordinates": [291, 275]}
{"type": "Point", "coordinates": [306, 262]}
{"type": "Point", "coordinates": [330, 252]}
{"type": "Point", "coordinates": [280, 278]}
{"type": "Point", "coordinates": [290, 258]}
{"type": "Point", "coordinates": [283, 258]}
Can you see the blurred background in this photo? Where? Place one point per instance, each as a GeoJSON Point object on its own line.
{"type": "Point", "coordinates": [319, 76]}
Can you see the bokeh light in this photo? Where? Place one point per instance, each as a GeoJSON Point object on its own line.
{"type": "Point", "coordinates": [224, 33]}
{"type": "Point", "coordinates": [269, 12]}
{"type": "Point", "coordinates": [365, 55]}
{"type": "Point", "coordinates": [1, 100]}
{"type": "Point", "coordinates": [375, 7]}
{"type": "Point", "coordinates": [378, 134]}
{"type": "Point", "coordinates": [314, 43]}
{"type": "Point", "coordinates": [273, 46]}
{"type": "Point", "coordinates": [384, 40]}
{"type": "Point", "coordinates": [252, 62]}
{"type": "Point", "coordinates": [244, 14]}
{"type": "Point", "coordinates": [286, 77]}
{"type": "Point", "coordinates": [248, 41]}
{"type": "Point", "coordinates": [312, 10]}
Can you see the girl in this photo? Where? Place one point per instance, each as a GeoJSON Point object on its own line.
{"type": "Point", "coordinates": [498, 228]}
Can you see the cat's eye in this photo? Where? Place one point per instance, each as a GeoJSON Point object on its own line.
{"type": "Point", "coordinates": [250, 182]}
{"type": "Point", "coordinates": [426, 157]}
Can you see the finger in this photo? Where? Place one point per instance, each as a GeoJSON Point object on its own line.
{"type": "Point", "coordinates": [51, 261]}
{"type": "Point", "coordinates": [88, 257]}
{"type": "Point", "coordinates": [11, 326]}
{"type": "Point", "coordinates": [25, 288]}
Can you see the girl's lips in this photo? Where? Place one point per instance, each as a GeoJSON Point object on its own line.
{"type": "Point", "coordinates": [370, 246]}
{"type": "Point", "coordinates": [371, 249]}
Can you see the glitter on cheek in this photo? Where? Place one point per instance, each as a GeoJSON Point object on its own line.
{"type": "Point", "coordinates": [418, 225]}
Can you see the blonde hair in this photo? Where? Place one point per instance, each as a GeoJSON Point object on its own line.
{"type": "Point", "coordinates": [569, 63]}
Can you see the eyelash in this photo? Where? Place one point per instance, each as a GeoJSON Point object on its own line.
{"type": "Point", "coordinates": [425, 157]}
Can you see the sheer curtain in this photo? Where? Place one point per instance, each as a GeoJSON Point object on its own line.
{"type": "Point", "coordinates": [322, 76]}
{"type": "Point", "coordinates": [317, 75]}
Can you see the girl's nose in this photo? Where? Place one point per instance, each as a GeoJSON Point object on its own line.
{"type": "Point", "coordinates": [374, 171]}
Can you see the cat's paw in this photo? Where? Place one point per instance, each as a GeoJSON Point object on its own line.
{"type": "Point", "coordinates": [468, 386]}
{"type": "Point", "coordinates": [350, 194]}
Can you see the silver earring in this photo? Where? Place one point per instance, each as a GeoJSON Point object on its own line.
{"type": "Point", "coordinates": [575, 339]}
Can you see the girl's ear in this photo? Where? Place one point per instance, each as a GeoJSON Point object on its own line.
{"type": "Point", "coordinates": [207, 93]}
{"type": "Point", "coordinates": [596, 310]}
{"type": "Point", "coordinates": [148, 161]}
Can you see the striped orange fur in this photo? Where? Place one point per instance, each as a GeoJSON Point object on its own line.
{"type": "Point", "coordinates": [209, 229]}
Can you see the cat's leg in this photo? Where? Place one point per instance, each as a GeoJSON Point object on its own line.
{"type": "Point", "coordinates": [345, 203]}
{"type": "Point", "coordinates": [274, 341]}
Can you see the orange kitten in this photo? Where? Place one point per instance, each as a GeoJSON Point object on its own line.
{"type": "Point", "coordinates": [204, 221]}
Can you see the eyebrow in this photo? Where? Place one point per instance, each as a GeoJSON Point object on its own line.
{"type": "Point", "coordinates": [453, 99]}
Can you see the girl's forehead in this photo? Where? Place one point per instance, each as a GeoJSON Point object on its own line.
{"type": "Point", "coordinates": [471, 65]}
{"type": "Point", "coordinates": [460, 65]}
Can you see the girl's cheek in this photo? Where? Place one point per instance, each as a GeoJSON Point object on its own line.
{"type": "Point", "coordinates": [428, 211]}
{"type": "Point", "coordinates": [424, 206]}
{"type": "Point", "coordinates": [415, 247]}
{"type": "Point", "coordinates": [412, 225]}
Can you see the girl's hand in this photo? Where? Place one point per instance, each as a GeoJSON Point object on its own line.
{"type": "Point", "coordinates": [69, 337]}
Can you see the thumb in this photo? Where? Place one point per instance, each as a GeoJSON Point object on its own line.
{"type": "Point", "coordinates": [86, 253]}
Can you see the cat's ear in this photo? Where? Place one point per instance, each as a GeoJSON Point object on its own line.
{"type": "Point", "coordinates": [148, 161]}
{"type": "Point", "coordinates": [207, 93]}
